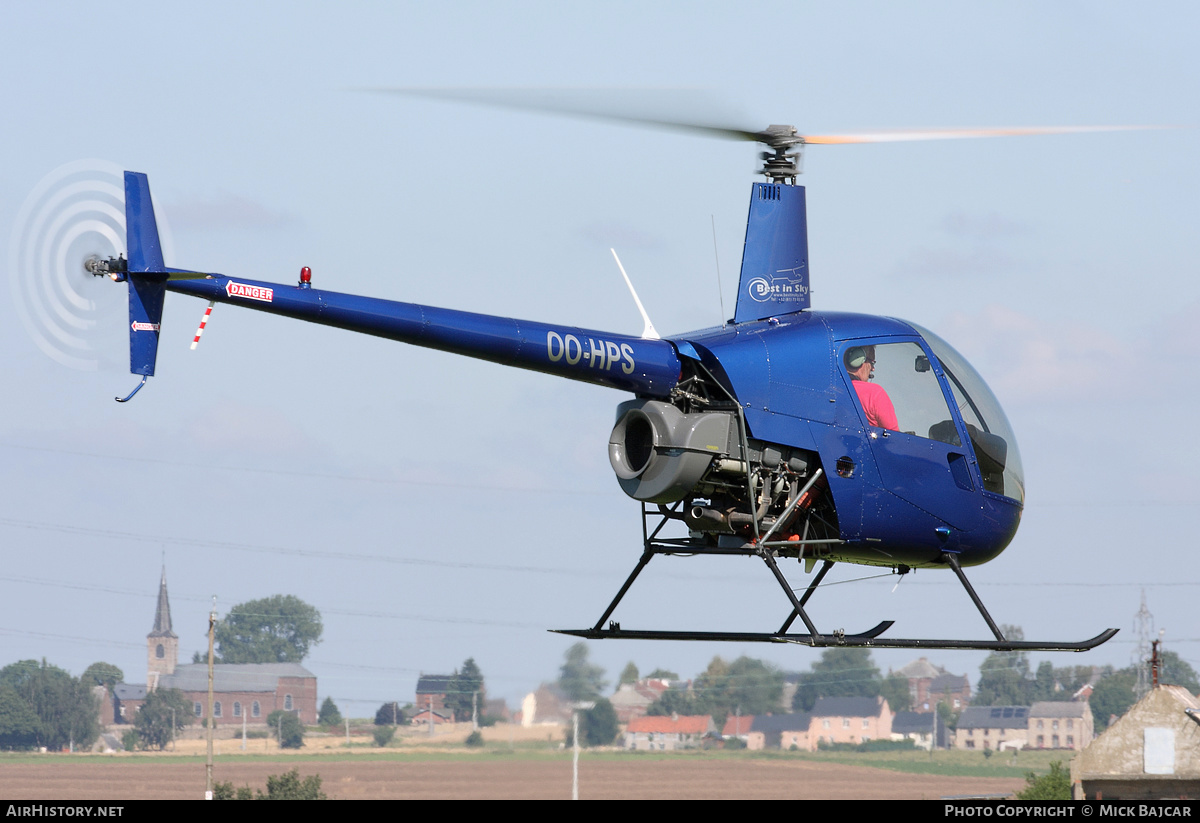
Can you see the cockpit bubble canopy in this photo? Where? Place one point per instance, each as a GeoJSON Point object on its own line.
{"type": "Point", "coordinates": [991, 435]}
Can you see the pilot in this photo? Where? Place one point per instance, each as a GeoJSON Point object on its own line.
{"type": "Point", "coordinates": [860, 362]}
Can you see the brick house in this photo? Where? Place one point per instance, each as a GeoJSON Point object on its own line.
{"type": "Point", "coordinates": [850, 720]}
{"type": "Point", "coordinates": [668, 733]}
{"type": "Point", "coordinates": [1060, 725]}
{"type": "Point", "coordinates": [929, 685]}
{"type": "Point", "coordinates": [780, 731]}
{"type": "Point", "coordinates": [992, 727]}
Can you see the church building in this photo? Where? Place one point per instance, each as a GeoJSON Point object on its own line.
{"type": "Point", "coordinates": [242, 692]}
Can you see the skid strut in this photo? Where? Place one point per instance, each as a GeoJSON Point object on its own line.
{"type": "Point", "coordinates": [812, 637]}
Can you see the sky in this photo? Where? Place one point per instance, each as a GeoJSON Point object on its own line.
{"type": "Point", "coordinates": [435, 508]}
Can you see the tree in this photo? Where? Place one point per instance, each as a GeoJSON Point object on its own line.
{"type": "Point", "coordinates": [329, 714]}
{"type": "Point", "coordinates": [662, 674]}
{"type": "Point", "coordinates": [466, 692]}
{"type": "Point", "coordinates": [673, 701]}
{"type": "Point", "coordinates": [1175, 671]}
{"type": "Point", "coordinates": [629, 674]}
{"type": "Point", "coordinates": [746, 685]}
{"type": "Point", "coordinates": [578, 678]}
{"type": "Point", "coordinates": [390, 714]}
{"type": "Point", "coordinates": [598, 725]}
{"type": "Point", "coordinates": [1053, 786]}
{"type": "Point", "coordinates": [164, 712]}
{"type": "Point", "coordinates": [65, 707]}
{"type": "Point", "coordinates": [842, 671]}
{"type": "Point", "coordinates": [287, 786]}
{"type": "Point", "coordinates": [278, 629]}
{"type": "Point", "coordinates": [19, 724]}
{"type": "Point", "coordinates": [1004, 676]}
{"type": "Point", "coordinates": [102, 674]}
{"type": "Point", "coordinates": [894, 689]}
{"type": "Point", "coordinates": [1113, 696]}
{"type": "Point", "coordinates": [288, 729]}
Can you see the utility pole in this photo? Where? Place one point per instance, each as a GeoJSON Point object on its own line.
{"type": "Point", "coordinates": [212, 627]}
{"type": "Point", "coordinates": [577, 707]}
{"type": "Point", "coordinates": [475, 711]}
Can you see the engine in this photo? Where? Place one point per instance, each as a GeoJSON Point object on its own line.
{"type": "Point", "coordinates": [665, 454]}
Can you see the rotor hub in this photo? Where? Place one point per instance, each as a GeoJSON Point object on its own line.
{"type": "Point", "coordinates": [784, 163]}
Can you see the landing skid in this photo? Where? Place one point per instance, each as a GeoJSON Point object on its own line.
{"type": "Point", "coordinates": [872, 638]}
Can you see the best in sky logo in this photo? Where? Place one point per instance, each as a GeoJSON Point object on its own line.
{"type": "Point", "coordinates": [783, 286]}
{"type": "Point", "coordinates": [249, 292]}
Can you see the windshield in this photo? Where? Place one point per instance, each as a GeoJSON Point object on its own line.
{"type": "Point", "coordinates": [991, 435]}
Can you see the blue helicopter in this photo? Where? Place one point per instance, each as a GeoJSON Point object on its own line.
{"type": "Point", "coordinates": [786, 433]}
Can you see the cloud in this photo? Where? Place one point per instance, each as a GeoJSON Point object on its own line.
{"type": "Point", "coordinates": [1027, 359]}
{"type": "Point", "coordinates": [975, 245]}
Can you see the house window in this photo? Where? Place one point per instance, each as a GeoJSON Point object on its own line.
{"type": "Point", "coordinates": [217, 709]}
{"type": "Point", "coordinates": [825, 724]}
{"type": "Point", "coordinates": [198, 709]}
{"type": "Point", "coordinates": [970, 744]}
{"type": "Point", "coordinates": [160, 652]}
{"type": "Point", "coordinates": [237, 709]}
{"type": "Point", "coordinates": [1040, 724]}
{"type": "Point", "coordinates": [287, 702]}
{"type": "Point", "coordinates": [1070, 741]}
{"type": "Point", "coordinates": [255, 709]}
{"type": "Point", "coordinates": [1070, 723]}
{"type": "Point", "coordinates": [845, 722]}
{"type": "Point", "coordinates": [866, 722]}
{"type": "Point", "coordinates": [1054, 725]}
{"type": "Point", "coordinates": [1041, 741]}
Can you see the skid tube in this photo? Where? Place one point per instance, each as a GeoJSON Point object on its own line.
{"type": "Point", "coordinates": [873, 638]}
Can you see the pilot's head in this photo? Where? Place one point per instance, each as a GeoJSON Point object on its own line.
{"type": "Point", "coordinates": [860, 361]}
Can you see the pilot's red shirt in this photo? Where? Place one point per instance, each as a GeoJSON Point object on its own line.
{"type": "Point", "coordinates": [877, 405]}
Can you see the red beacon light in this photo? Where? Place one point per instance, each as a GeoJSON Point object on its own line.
{"type": "Point", "coordinates": [306, 278]}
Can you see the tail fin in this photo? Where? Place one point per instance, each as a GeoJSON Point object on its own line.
{"type": "Point", "coordinates": [147, 274]}
{"type": "Point", "coordinates": [775, 261]}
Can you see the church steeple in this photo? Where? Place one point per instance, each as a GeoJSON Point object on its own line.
{"type": "Point", "coordinates": [162, 644]}
{"type": "Point", "coordinates": [162, 615]}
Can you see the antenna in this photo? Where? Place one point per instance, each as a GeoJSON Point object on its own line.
{"type": "Point", "coordinates": [648, 331]}
{"type": "Point", "coordinates": [720, 290]}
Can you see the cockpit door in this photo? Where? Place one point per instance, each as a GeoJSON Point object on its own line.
{"type": "Point", "coordinates": [913, 432]}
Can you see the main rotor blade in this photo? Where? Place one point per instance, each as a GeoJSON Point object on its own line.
{"type": "Point", "coordinates": [590, 103]}
{"type": "Point", "coordinates": [905, 135]}
{"type": "Point", "coordinates": [603, 104]}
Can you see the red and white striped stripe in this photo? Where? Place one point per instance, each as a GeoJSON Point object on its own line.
{"type": "Point", "coordinates": [203, 323]}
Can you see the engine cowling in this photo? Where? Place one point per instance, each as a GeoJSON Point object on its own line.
{"type": "Point", "coordinates": [660, 453]}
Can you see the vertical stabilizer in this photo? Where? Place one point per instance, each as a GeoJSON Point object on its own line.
{"type": "Point", "coordinates": [774, 277]}
{"type": "Point", "coordinates": [147, 274]}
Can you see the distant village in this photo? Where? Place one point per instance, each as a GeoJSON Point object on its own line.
{"type": "Point", "coordinates": [1154, 735]}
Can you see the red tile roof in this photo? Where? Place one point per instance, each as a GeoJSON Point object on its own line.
{"type": "Point", "coordinates": [695, 724]}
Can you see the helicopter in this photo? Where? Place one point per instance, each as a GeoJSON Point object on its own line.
{"type": "Point", "coordinates": [786, 433]}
